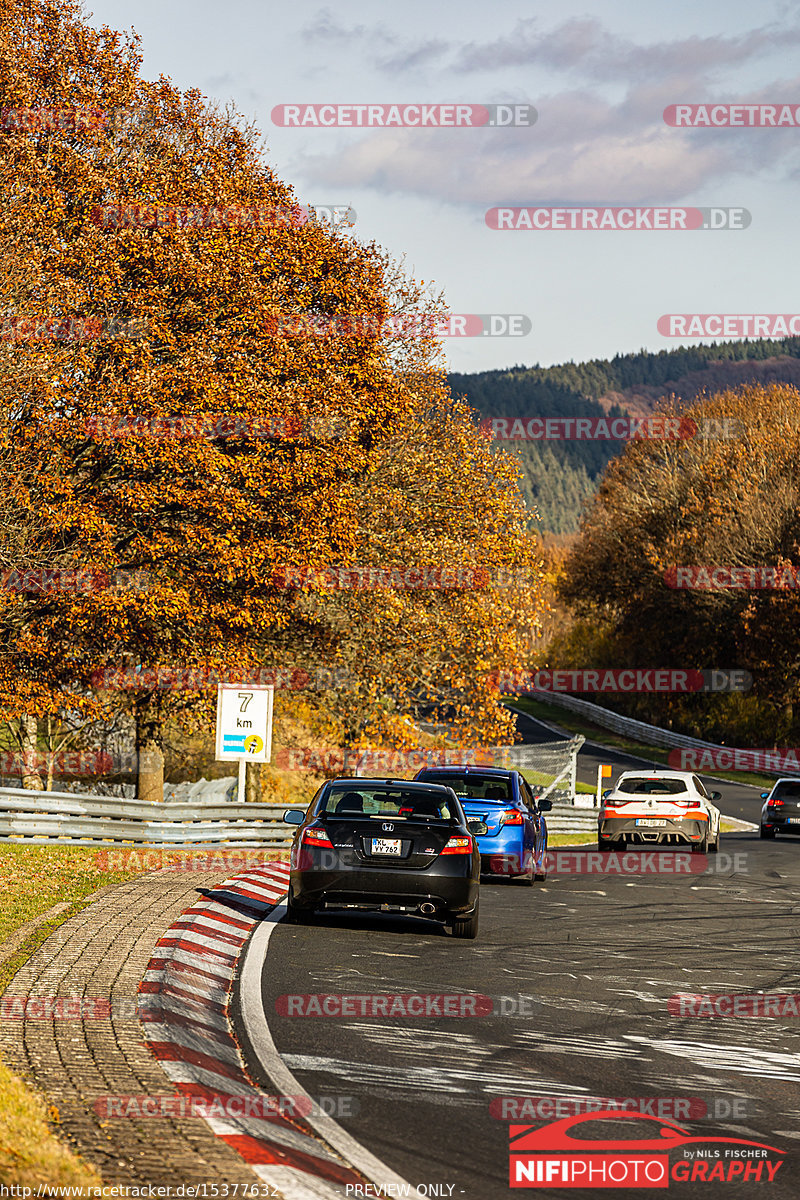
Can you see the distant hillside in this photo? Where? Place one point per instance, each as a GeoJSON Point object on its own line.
{"type": "Point", "coordinates": [560, 476]}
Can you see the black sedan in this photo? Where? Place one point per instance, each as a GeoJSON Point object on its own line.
{"type": "Point", "coordinates": [385, 845]}
{"type": "Point", "coordinates": [781, 812]}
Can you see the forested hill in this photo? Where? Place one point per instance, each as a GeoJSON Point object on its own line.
{"type": "Point", "coordinates": [559, 476]}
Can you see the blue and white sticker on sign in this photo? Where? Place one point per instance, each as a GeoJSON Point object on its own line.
{"type": "Point", "coordinates": [233, 741]}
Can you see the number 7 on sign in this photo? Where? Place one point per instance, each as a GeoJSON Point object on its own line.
{"type": "Point", "coordinates": [245, 698]}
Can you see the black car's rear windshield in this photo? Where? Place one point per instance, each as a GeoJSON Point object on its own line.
{"type": "Point", "coordinates": [355, 800]}
{"type": "Point", "coordinates": [474, 787]}
{"type": "Point", "coordinates": [653, 787]}
{"type": "Point", "coordinates": [786, 791]}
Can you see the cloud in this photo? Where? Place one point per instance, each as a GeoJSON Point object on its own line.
{"type": "Point", "coordinates": [593, 143]}
{"type": "Point", "coordinates": [383, 49]}
{"type": "Point", "coordinates": [583, 45]}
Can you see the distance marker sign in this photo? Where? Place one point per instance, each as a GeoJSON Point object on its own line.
{"type": "Point", "coordinates": [244, 723]}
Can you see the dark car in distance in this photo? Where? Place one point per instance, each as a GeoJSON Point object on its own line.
{"type": "Point", "coordinates": [385, 845]}
{"type": "Point", "coordinates": [781, 810]}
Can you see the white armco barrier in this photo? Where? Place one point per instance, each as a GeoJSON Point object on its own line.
{"type": "Point", "coordinates": [725, 758]}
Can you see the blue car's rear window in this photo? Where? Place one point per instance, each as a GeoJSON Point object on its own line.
{"type": "Point", "coordinates": [473, 787]}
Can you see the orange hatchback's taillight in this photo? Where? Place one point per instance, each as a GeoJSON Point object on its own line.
{"type": "Point", "coordinates": [458, 845]}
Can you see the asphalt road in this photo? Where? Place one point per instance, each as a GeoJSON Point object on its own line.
{"type": "Point", "coordinates": [580, 970]}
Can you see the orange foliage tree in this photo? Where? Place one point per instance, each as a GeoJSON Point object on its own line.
{"type": "Point", "coordinates": [341, 448]}
{"type": "Point", "coordinates": [727, 500]}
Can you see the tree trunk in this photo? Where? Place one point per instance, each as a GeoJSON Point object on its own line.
{"type": "Point", "coordinates": [150, 782]}
{"type": "Point", "coordinates": [28, 738]}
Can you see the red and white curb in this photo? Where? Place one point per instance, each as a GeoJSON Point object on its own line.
{"type": "Point", "coordinates": [184, 1001]}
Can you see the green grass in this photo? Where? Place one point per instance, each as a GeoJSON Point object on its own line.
{"type": "Point", "coordinates": [34, 879]}
{"type": "Point", "coordinates": [540, 779]}
{"type": "Point", "coordinates": [596, 733]}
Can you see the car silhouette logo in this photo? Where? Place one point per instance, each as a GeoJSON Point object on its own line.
{"type": "Point", "coordinates": [558, 1135]}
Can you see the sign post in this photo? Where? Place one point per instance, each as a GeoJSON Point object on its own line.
{"type": "Point", "coordinates": [603, 772]}
{"type": "Point", "coordinates": [244, 727]}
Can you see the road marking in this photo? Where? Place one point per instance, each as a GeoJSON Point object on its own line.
{"type": "Point", "coordinates": [286, 1084]}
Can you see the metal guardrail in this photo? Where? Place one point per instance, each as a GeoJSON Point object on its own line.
{"type": "Point", "coordinates": [564, 818]}
{"type": "Point", "coordinates": [42, 818]}
{"type": "Point", "coordinates": [641, 731]}
{"type": "Point", "coordinates": [62, 818]}
{"type": "Point", "coordinates": [650, 734]}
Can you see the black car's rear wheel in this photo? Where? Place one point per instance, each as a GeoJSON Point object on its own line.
{"type": "Point", "coordinates": [466, 927]}
{"type": "Point", "coordinates": [295, 914]}
{"type": "Point", "coordinates": [766, 833]}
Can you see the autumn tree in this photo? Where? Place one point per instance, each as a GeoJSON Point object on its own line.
{"type": "Point", "coordinates": [731, 499]}
{"type": "Point", "coordinates": [309, 471]}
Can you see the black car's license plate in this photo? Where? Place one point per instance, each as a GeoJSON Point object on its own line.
{"type": "Point", "coordinates": [386, 846]}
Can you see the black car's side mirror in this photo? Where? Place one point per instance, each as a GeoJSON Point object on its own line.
{"type": "Point", "coordinates": [477, 826]}
{"type": "Point", "coordinates": [545, 805]}
{"type": "Point", "coordinates": [294, 816]}
{"type": "Point", "coordinates": [715, 796]}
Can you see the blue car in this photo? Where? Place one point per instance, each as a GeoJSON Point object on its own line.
{"type": "Point", "coordinates": [516, 842]}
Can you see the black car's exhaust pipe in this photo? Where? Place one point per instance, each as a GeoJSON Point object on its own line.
{"type": "Point", "coordinates": [427, 908]}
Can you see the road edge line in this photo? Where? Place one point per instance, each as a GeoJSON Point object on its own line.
{"type": "Point", "coordinates": [260, 1036]}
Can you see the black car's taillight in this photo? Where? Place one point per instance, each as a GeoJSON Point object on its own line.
{"type": "Point", "coordinates": [458, 845]}
{"type": "Point", "coordinates": [315, 835]}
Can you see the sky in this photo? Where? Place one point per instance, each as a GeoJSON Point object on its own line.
{"type": "Point", "coordinates": [599, 77]}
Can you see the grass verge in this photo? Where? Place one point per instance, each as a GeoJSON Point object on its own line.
{"type": "Point", "coordinates": [33, 879]}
